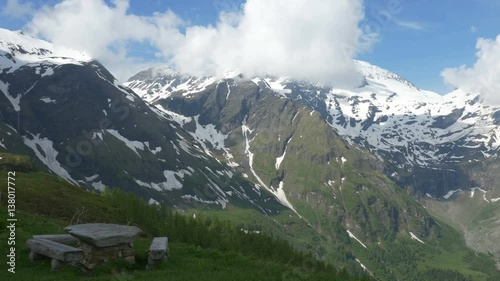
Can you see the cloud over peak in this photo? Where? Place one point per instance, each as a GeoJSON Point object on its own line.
{"type": "Point", "coordinates": [312, 39]}
{"type": "Point", "coordinates": [305, 39]}
{"type": "Point", "coordinates": [16, 9]}
{"type": "Point", "coordinates": [484, 76]}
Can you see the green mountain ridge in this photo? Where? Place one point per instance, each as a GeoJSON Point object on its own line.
{"type": "Point", "coordinates": [47, 204]}
{"type": "Point", "coordinates": [37, 214]}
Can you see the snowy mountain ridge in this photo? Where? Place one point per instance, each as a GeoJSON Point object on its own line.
{"type": "Point", "coordinates": [390, 116]}
{"type": "Point", "coordinates": [158, 82]}
{"type": "Point", "coordinates": [72, 117]}
{"type": "Point", "coordinates": [405, 126]}
{"type": "Point", "coordinates": [18, 49]}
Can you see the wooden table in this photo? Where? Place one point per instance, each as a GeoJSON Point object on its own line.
{"type": "Point", "coordinates": [104, 242]}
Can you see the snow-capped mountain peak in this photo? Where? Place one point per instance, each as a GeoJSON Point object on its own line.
{"type": "Point", "coordinates": [163, 71]}
{"type": "Point", "coordinates": [388, 115]}
{"type": "Point", "coordinates": [159, 82]}
{"type": "Point", "coordinates": [375, 73]}
{"type": "Point", "coordinates": [18, 49]}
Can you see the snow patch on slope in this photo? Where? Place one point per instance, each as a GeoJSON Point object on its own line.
{"type": "Point", "coordinates": [279, 194]}
{"type": "Point", "coordinates": [414, 237]}
{"type": "Point", "coordinates": [48, 100]}
{"type": "Point", "coordinates": [362, 265]}
{"type": "Point", "coordinates": [474, 189]}
{"type": "Point", "coordinates": [39, 145]}
{"type": "Point", "coordinates": [282, 157]}
{"type": "Point", "coordinates": [278, 85]}
{"type": "Point", "coordinates": [203, 134]}
{"type": "Point", "coordinates": [450, 193]}
{"type": "Point", "coordinates": [208, 134]}
{"type": "Point", "coordinates": [355, 238]}
{"type": "Point", "coordinates": [173, 116]}
{"type": "Point", "coordinates": [197, 199]}
{"type": "Point", "coordinates": [153, 202]}
{"type": "Point", "coordinates": [99, 186]}
{"type": "Point", "coordinates": [133, 145]}
{"type": "Point", "coordinates": [48, 72]}
{"type": "Point", "coordinates": [92, 178]}
{"type": "Point", "coordinates": [171, 182]}
{"type": "Point", "coordinates": [4, 87]}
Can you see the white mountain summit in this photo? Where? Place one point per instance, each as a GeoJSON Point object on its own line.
{"type": "Point", "coordinates": [388, 115]}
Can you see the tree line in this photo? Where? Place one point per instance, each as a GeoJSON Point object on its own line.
{"type": "Point", "coordinates": [207, 232]}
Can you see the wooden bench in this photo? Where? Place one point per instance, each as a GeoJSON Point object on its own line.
{"type": "Point", "coordinates": [158, 251]}
{"type": "Point", "coordinates": [59, 253]}
{"type": "Point", "coordinates": [65, 239]}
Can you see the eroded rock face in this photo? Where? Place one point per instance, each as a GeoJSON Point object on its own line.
{"type": "Point", "coordinates": [104, 235]}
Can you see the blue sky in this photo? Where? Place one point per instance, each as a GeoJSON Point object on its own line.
{"type": "Point", "coordinates": [418, 42]}
{"type": "Point", "coordinates": [447, 38]}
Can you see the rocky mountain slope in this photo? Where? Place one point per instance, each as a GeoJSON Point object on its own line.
{"type": "Point", "coordinates": [74, 117]}
{"type": "Point", "coordinates": [432, 146]}
{"type": "Point", "coordinates": [426, 140]}
{"type": "Point", "coordinates": [282, 135]}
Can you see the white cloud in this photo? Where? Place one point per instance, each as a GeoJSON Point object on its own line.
{"type": "Point", "coordinates": [15, 9]}
{"type": "Point", "coordinates": [409, 24]}
{"type": "Point", "coordinates": [484, 76]}
{"type": "Point", "coordinates": [302, 39]}
{"type": "Point", "coordinates": [104, 31]}
{"type": "Point", "coordinates": [305, 39]}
